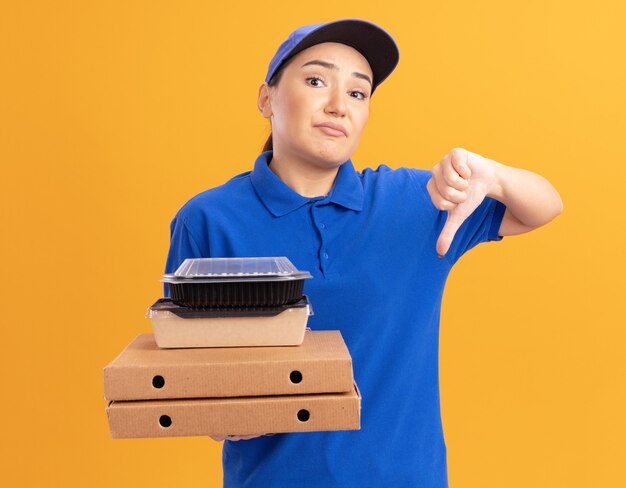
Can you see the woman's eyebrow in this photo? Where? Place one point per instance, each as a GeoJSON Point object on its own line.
{"type": "Point", "coordinates": [328, 65]}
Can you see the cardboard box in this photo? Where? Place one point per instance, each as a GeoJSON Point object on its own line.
{"type": "Point", "coordinates": [286, 328]}
{"type": "Point", "coordinates": [238, 416]}
{"type": "Point", "coordinates": [322, 364]}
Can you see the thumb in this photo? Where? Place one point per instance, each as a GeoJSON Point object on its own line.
{"type": "Point", "coordinates": [453, 222]}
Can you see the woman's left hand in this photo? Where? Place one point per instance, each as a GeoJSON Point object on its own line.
{"type": "Point", "coordinates": [234, 438]}
{"type": "Point", "coordinates": [459, 183]}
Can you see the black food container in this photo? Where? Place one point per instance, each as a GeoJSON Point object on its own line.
{"type": "Point", "coordinates": [236, 282]}
{"type": "Point", "coordinates": [168, 305]}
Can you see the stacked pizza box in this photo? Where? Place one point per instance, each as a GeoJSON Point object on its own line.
{"type": "Point", "coordinates": [231, 355]}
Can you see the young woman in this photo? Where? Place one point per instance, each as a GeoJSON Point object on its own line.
{"type": "Point", "coordinates": [380, 244]}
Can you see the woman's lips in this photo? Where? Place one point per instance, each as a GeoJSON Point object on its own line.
{"type": "Point", "coordinates": [329, 131]}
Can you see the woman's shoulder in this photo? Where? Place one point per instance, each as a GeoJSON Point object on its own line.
{"type": "Point", "coordinates": [386, 175]}
{"type": "Point", "coordinates": [388, 171]}
{"type": "Point", "coordinates": [228, 193]}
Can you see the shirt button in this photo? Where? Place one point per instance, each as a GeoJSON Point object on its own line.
{"type": "Point", "coordinates": [325, 255]}
{"type": "Point", "coordinates": [323, 226]}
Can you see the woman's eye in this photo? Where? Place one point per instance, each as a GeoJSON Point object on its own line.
{"type": "Point", "coordinates": [315, 79]}
{"type": "Point", "coordinates": [316, 82]}
{"type": "Point", "coordinates": [362, 95]}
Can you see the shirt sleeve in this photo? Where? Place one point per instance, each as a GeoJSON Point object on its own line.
{"type": "Point", "coordinates": [481, 226]}
{"type": "Point", "coordinates": [183, 245]}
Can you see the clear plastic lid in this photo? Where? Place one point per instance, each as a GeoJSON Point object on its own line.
{"type": "Point", "coordinates": [235, 269]}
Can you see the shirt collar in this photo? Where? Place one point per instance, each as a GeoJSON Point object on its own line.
{"type": "Point", "coordinates": [347, 189]}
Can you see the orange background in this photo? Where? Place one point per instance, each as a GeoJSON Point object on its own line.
{"type": "Point", "coordinates": [113, 114]}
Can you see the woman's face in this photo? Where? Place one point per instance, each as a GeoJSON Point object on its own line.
{"type": "Point", "coordinates": [326, 83]}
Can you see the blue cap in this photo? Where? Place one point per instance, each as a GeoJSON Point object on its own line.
{"type": "Point", "coordinates": [373, 42]}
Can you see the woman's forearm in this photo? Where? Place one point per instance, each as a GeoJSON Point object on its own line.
{"type": "Point", "coordinates": [529, 197]}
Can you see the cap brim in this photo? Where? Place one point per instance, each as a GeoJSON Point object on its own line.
{"type": "Point", "coordinates": [373, 42]}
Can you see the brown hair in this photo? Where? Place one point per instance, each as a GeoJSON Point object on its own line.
{"type": "Point", "coordinates": [273, 82]}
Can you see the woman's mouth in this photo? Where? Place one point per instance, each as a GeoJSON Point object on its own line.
{"type": "Point", "coordinates": [330, 131]}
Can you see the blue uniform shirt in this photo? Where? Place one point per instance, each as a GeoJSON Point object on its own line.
{"type": "Point", "coordinates": [370, 246]}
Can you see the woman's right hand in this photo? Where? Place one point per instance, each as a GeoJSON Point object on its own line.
{"type": "Point", "coordinates": [219, 438]}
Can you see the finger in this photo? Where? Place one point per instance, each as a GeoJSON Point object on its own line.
{"type": "Point", "coordinates": [220, 438]}
{"type": "Point", "coordinates": [441, 174]}
{"type": "Point", "coordinates": [452, 225]}
{"type": "Point", "coordinates": [236, 438]}
{"type": "Point", "coordinates": [459, 157]}
{"type": "Point", "coordinates": [438, 201]}
{"type": "Point", "coordinates": [454, 179]}
{"type": "Point", "coordinates": [447, 192]}
{"type": "Point", "coordinates": [445, 169]}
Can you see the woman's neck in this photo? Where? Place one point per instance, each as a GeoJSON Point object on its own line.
{"type": "Point", "coordinates": [302, 177]}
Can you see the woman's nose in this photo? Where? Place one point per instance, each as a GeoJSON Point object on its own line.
{"type": "Point", "coordinates": [336, 104]}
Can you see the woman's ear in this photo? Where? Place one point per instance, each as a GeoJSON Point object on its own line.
{"type": "Point", "coordinates": [264, 100]}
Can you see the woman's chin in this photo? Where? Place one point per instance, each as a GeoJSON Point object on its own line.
{"type": "Point", "coordinates": [327, 154]}
{"type": "Point", "coordinates": [333, 155]}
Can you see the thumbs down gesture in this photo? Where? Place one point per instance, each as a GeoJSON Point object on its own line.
{"type": "Point", "coordinates": [459, 183]}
